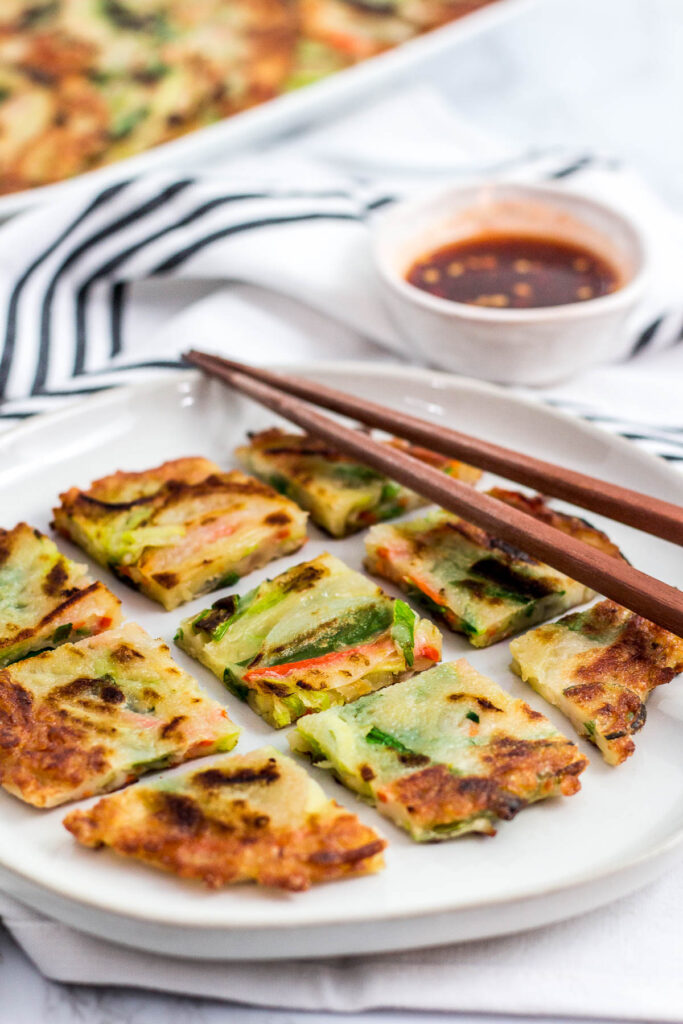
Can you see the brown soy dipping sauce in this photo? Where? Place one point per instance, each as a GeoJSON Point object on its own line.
{"type": "Point", "coordinates": [514, 271]}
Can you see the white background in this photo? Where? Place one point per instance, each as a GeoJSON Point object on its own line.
{"type": "Point", "coordinates": [603, 74]}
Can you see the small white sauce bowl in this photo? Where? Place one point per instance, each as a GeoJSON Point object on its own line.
{"type": "Point", "coordinates": [513, 346]}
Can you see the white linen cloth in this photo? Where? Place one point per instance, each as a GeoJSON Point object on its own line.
{"type": "Point", "coordinates": [304, 291]}
{"type": "Point", "coordinates": [621, 962]}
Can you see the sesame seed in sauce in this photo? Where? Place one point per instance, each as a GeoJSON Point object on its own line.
{"type": "Point", "coordinates": [514, 271]}
{"type": "Point", "coordinates": [431, 275]}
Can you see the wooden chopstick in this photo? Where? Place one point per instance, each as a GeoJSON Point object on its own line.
{"type": "Point", "coordinates": [649, 597]}
{"type": "Point", "coordinates": [651, 515]}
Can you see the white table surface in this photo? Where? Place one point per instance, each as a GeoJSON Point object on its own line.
{"type": "Point", "coordinates": [603, 74]}
{"type": "Point", "coordinates": [26, 998]}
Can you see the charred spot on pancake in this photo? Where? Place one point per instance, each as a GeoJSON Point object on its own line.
{"type": "Point", "coordinates": [214, 778]}
{"type": "Point", "coordinates": [583, 693]}
{"type": "Point", "coordinates": [167, 580]}
{"type": "Point", "coordinates": [221, 610]}
{"type": "Point", "coordinates": [278, 689]}
{"type": "Point", "coordinates": [170, 727]}
{"type": "Point", "coordinates": [511, 550]}
{"type": "Point", "coordinates": [385, 7]}
{"type": "Point", "coordinates": [488, 705]}
{"type": "Point", "coordinates": [16, 708]}
{"type": "Point", "coordinates": [347, 856]}
{"type": "Point", "coordinates": [623, 712]}
{"type": "Point", "coordinates": [255, 821]}
{"type": "Point", "coordinates": [124, 653]}
{"type": "Point", "coordinates": [575, 768]}
{"type": "Point", "coordinates": [412, 759]}
{"type": "Point", "coordinates": [173, 490]}
{"type": "Point", "coordinates": [503, 576]}
{"type": "Point", "coordinates": [478, 589]}
{"type": "Point", "coordinates": [77, 596]}
{"type": "Point", "coordinates": [302, 578]}
{"type": "Point", "coordinates": [435, 794]}
{"type": "Point", "coordinates": [112, 695]}
{"type": "Point", "coordinates": [475, 535]}
{"type": "Point", "coordinates": [102, 688]}
{"type": "Point", "coordinates": [113, 506]}
{"type": "Point", "coordinates": [638, 720]}
{"type": "Point", "coordinates": [181, 811]}
{"type": "Point", "coordinates": [635, 653]}
{"type": "Point", "coordinates": [277, 519]}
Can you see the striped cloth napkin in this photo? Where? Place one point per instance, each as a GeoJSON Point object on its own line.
{"type": "Point", "coordinates": [88, 286]}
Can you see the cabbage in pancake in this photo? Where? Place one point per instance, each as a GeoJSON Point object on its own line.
{"type": "Point", "coordinates": [91, 716]}
{"type": "Point", "coordinates": [45, 598]}
{"type": "Point", "coordinates": [181, 529]}
{"type": "Point", "coordinates": [341, 494]}
{"type": "Point", "coordinates": [318, 634]}
{"type": "Point", "coordinates": [254, 817]}
{"type": "Point", "coordinates": [444, 753]}
{"type": "Point", "coordinates": [481, 586]}
{"type": "Point", "coordinates": [599, 668]}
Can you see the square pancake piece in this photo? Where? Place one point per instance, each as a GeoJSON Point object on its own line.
{"type": "Point", "coordinates": [45, 598]}
{"type": "Point", "coordinates": [91, 716]}
{"type": "Point", "coordinates": [480, 586]}
{"type": "Point", "coordinates": [599, 667]}
{"type": "Point", "coordinates": [181, 529]}
{"type": "Point", "coordinates": [255, 817]}
{"type": "Point", "coordinates": [318, 634]}
{"type": "Point", "coordinates": [341, 494]}
{"type": "Point", "coordinates": [443, 753]}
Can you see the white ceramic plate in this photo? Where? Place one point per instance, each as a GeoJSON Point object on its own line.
{"type": "Point", "coordinates": [195, 151]}
{"type": "Point", "coordinates": [554, 860]}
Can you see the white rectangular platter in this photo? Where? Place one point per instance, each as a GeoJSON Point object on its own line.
{"type": "Point", "coordinates": [196, 151]}
{"type": "Point", "coordinates": [554, 860]}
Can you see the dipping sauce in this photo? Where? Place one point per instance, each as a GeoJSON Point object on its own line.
{"type": "Point", "coordinates": [514, 272]}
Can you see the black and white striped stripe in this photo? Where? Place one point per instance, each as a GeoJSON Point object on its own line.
{"type": "Point", "coordinates": [133, 230]}
{"type": "Point", "coordinates": [12, 309]}
{"type": "Point", "coordinates": [663, 441]}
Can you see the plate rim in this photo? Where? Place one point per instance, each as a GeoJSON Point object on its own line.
{"type": "Point", "coordinates": [339, 366]}
{"type": "Point", "coordinates": [239, 920]}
